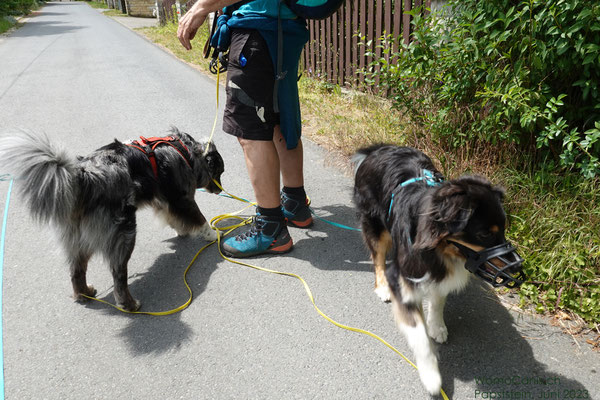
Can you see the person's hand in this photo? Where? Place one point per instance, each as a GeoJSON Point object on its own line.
{"type": "Point", "coordinates": [188, 26]}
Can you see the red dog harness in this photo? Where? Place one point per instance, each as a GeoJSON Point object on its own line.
{"type": "Point", "coordinates": [147, 146]}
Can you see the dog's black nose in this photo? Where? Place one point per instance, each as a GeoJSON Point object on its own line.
{"type": "Point", "coordinates": [213, 188]}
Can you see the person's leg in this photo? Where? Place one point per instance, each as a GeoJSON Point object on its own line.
{"type": "Point", "coordinates": [262, 163]}
{"type": "Point", "coordinates": [291, 161]}
{"type": "Point", "coordinates": [268, 233]}
{"type": "Point", "coordinates": [293, 197]}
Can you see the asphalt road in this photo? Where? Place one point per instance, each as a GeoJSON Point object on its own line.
{"type": "Point", "coordinates": [84, 79]}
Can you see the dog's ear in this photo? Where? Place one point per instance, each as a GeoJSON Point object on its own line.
{"type": "Point", "coordinates": [500, 192]}
{"type": "Point", "coordinates": [449, 212]}
{"type": "Point", "coordinates": [452, 207]}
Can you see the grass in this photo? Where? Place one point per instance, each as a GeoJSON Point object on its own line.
{"type": "Point", "coordinates": [6, 24]}
{"type": "Point", "coordinates": [328, 112]}
{"type": "Point", "coordinates": [166, 36]}
{"type": "Point", "coordinates": [96, 4]}
{"type": "Point", "coordinates": [554, 218]}
{"type": "Point", "coordinates": [556, 222]}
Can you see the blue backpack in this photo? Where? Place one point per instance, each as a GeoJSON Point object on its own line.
{"type": "Point", "coordinates": [313, 9]}
{"type": "Point", "coordinates": [307, 9]}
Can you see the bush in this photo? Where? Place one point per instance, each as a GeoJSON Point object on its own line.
{"type": "Point", "coordinates": [16, 7]}
{"type": "Point", "coordinates": [525, 72]}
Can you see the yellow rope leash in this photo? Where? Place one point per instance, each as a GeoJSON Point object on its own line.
{"type": "Point", "coordinates": [212, 132]}
{"type": "Point", "coordinates": [161, 313]}
{"type": "Point", "coordinates": [229, 228]}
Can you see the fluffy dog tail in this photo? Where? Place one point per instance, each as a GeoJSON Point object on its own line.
{"type": "Point", "coordinates": [361, 154]}
{"type": "Point", "coordinates": [46, 172]}
{"type": "Point", "coordinates": [357, 159]}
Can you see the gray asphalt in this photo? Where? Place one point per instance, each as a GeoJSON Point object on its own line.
{"type": "Point", "coordinates": [84, 79]}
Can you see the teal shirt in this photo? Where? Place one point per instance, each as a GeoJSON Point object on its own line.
{"type": "Point", "coordinates": [265, 8]}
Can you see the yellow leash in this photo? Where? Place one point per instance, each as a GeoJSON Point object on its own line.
{"type": "Point", "coordinates": [161, 313]}
{"type": "Point", "coordinates": [212, 132]}
{"type": "Point", "coordinates": [228, 229]}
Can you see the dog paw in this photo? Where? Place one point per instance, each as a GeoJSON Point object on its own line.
{"type": "Point", "coordinates": [430, 377]}
{"type": "Point", "coordinates": [384, 293]}
{"type": "Point", "coordinates": [207, 233]}
{"type": "Point", "coordinates": [210, 235]}
{"type": "Point", "coordinates": [89, 291]}
{"type": "Point", "coordinates": [132, 305]}
{"type": "Point", "coordinates": [438, 332]}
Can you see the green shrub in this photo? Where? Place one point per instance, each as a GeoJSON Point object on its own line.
{"type": "Point", "coordinates": [555, 220]}
{"type": "Point", "coordinates": [16, 7]}
{"type": "Point", "coordinates": [525, 72]}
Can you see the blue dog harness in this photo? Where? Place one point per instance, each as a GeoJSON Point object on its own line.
{"type": "Point", "coordinates": [426, 175]}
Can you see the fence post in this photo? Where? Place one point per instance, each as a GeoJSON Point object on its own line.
{"type": "Point", "coordinates": [160, 12]}
{"type": "Point", "coordinates": [178, 6]}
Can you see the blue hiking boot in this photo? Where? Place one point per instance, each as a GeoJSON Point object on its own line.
{"type": "Point", "coordinates": [257, 241]}
{"type": "Point", "coordinates": [296, 210]}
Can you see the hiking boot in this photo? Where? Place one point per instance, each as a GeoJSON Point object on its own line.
{"type": "Point", "coordinates": [266, 235]}
{"type": "Point", "coordinates": [296, 210]}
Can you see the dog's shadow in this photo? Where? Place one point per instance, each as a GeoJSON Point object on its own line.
{"type": "Point", "coordinates": [161, 288]}
{"type": "Point", "coordinates": [485, 345]}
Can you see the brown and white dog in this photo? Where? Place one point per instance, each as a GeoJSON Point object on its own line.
{"type": "Point", "coordinates": [426, 225]}
{"type": "Point", "coordinates": [92, 200]}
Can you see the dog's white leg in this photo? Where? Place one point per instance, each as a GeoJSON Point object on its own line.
{"type": "Point", "coordinates": [384, 293]}
{"type": "Point", "coordinates": [435, 317]}
{"type": "Point", "coordinates": [207, 233]}
{"type": "Point", "coordinates": [410, 320]}
{"type": "Point", "coordinates": [185, 217]}
{"type": "Point", "coordinates": [426, 359]}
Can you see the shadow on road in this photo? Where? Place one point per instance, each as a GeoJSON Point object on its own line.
{"type": "Point", "coordinates": [161, 288]}
{"type": "Point", "coordinates": [43, 28]}
{"type": "Point", "coordinates": [484, 346]}
{"type": "Point", "coordinates": [329, 247]}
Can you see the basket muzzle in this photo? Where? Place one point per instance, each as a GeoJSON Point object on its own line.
{"type": "Point", "coordinates": [500, 265]}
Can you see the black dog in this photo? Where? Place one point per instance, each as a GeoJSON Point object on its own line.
{"type": "Point", "coordinates": [432, 229]}
{"type": "Point", "coordinates": [93, 200]}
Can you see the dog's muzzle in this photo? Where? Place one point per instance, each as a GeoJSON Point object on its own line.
{"type": "Point", "coordinates": [499, 265]}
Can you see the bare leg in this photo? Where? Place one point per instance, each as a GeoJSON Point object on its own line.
{"type": "Point", "coordinates": [291, 161]}
{"type": "Point", "coordinates": [262, 162]}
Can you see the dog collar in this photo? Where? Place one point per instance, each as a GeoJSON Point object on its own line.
{"type": "Point", "coordinates": [426, 175]}
{"type": "Point", "coordinates": [147, 146]}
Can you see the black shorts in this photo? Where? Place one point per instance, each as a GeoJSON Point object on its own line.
{"type": "Point", "coordinates": [250, 79]}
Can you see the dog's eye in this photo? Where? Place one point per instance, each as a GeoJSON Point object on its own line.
{"type": "Point", "coordinates": [485, 235]}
